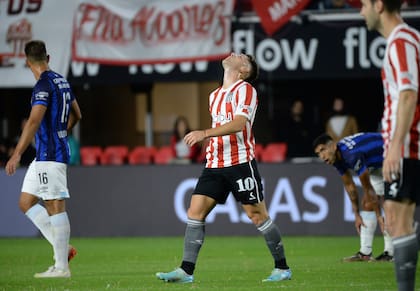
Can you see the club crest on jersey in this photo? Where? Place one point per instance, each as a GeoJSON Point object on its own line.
{"type": "Point", "coordinates": [229, 97]}
{"type": "Point", "coordinates": [246, 109]}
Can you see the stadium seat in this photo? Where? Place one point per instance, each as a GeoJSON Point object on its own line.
{"type": "Point", "coordinates": [259, 148]}
{"type": "Point", "coordinates": [141, 155]}
{"type": "Point", "coordinates": [274, 153]}
{"type": "Point", "coordinates": [114, 155]}
{"type": "Point", "coordinates": [90, 155]}
{"type": "Point", "coordinates": [163, 155]}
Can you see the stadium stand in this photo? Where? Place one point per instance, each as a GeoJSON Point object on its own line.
{"type": "Point", "coordinates": [141, 155]}
{"type": "Point", "coordinates": [163, 155]}
{"type": "Point", "coordinates": [275, 152]}
{"type": "Point", "coordinates": [90, 155]}
{"type": "Point", "coordinates": [259, 149]}
{"type": "Point", "coordinates": [114, 155]}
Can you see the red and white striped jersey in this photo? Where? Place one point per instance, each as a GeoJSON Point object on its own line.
{"type": "Point", "coordinates": [400, 72]}
{"type": "Point", "coordinates": [224, 105]}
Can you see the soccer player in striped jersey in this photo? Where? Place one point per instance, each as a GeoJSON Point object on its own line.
{"type": "Point", "coordinates": [360, 154]}
{"type": "Point", "coordinates": [400, 130]}
{"type": "Point", "coordinates": [230, 167]}
{"type": "Point", "coordinates": [54, 111]}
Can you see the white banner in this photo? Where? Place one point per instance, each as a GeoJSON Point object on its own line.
{"type": "Point", "coordinates": [129, 32]}
{"type": "Point", "coordinates": [24, 20]}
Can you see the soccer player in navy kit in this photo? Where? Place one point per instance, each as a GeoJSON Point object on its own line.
{"type": "Point", "coordinates": [54, 112]}
{"type": "Point", "coordinates": [360, 154]}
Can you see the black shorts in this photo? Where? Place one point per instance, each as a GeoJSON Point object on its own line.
{"type": "Point", "coordinates": [244, 181]}
{"type": "Point", "coordinates": [408, 184]}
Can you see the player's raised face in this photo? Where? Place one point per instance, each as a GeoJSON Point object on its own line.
{"type": "Point", "coordinates": [326, 152]}
{"type": "Point", "coordinates": [236, 61]}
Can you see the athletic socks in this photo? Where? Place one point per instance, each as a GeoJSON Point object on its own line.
{"type": "Point", "coordinates": [388, 247]}
{"type": "Point", "coordinates": [272, 237]}
{"type": "Point", "coordinates": [61, 229]}
{"type": "Point", "coordinates": [40, 218]}
{"type": "Point", "coordinates": [367, 232]}
{"type": "Point", "coordinates": [193, 240]}
{"type": "Point", "coordinates": [405, 256]}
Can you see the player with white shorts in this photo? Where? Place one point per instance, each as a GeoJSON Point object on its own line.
{"type": "Point", "coordinates": [360, 154]}
{"type": "Point", "coordinates": [54, 112]}
{"type": "Point", "coordinates": [46, 180]}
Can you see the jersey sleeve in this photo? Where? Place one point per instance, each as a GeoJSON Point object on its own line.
{"type": "Point", "coordinates": [403, 56]}
{"type": "Point", "coordinates": [340, 168]}
{"type": "Point", "coordinates": [247, 101]}
{"type": "Point", "coordinates": [41, 93]}
{"type": "Point", "coordinates": [72, 96]}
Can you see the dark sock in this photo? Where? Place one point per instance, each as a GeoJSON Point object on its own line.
{"type": "Point", "coordinates": [281, 264]}
{"type": "Point", "coordinates": [405, 261]}
{"type": "Point", "coordinates": [188, 267]}
{"type": "Point", "coordinates": [275, 245]}
{"type": "Point", "coordinates": [193, 240]}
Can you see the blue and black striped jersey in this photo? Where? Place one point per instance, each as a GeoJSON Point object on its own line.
{"type": "Point", "coordinates": [360, 152]}
{"type": "Point", "coordinates": [53, 91]}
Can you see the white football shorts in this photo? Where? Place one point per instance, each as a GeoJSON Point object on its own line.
{"type": "Point", "coordinates": [377, 181]}
{"type": "Point", "coordinates": [47, 180]}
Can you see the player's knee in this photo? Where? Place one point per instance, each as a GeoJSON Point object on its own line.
{"type": "Point", "coordinates": [55, 206]}
{"type": "Point", "coordinates": [258, 218]}
{"type": "Point", "coordinates": [369, 205]}
{"type": "Point", "coordinates": [25, 203]}
{"type": "Point", "coordinates": [196, 215]}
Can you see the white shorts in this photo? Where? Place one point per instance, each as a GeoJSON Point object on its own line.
{"type": "Point", "coordinates": [377, 181]}
{"type": "Point", "coordinates": [47, 180]}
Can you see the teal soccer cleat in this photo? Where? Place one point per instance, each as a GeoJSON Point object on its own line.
{"type": "Point", "coordinates": [279, 275]}
{"type": "Point", "coordinates": [176, 276]}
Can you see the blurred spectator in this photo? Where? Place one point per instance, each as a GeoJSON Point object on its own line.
{"type": "Point", "coordinates": [341, 123]}
{"type": "Point", "coordinates": [409, 3]}
{"type": "Point", "coordinates": [182, 152]}
{"type": "Point", "coordinates": [315, 5]}
{"type": "Point", "coordinates": [336, 4]}
{"type": "Point", "coordinates": [298, 131]}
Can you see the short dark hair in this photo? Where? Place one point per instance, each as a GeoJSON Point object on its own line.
{"type": "Point", "coordinates": [322, 139]}
{"type": "Point", "coordinates": [253, 74]}
{"type": "Point", "coordinates": [36, 51]}
{"type": "Point", "coordinates": [391, 5]}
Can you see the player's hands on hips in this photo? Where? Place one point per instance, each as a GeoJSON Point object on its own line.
{"type": "Point", "coordinates": [194, 137]}
{"type": "Point", "coordinates": [12, 164]}
{"type": "Point", "coordinates": [391, 165]}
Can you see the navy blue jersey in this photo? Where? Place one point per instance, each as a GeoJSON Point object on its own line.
{"type": "Point", "coordinates": [360, 152]}
{"type": "Point", "coordinates": [53, 91]}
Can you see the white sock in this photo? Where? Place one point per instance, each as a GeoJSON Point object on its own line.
{"type": "Point", "coordinates": [367, 232]}
{"type": "Point", "coordinates": [388, 247]}
{"type": "Point", "coordinates": [39, 216]}
{"type": "Point", "coordinates": [61, 229]}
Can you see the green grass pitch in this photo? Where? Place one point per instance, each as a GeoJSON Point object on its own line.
{"type": "Point", "coordinates": [225, 263]}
